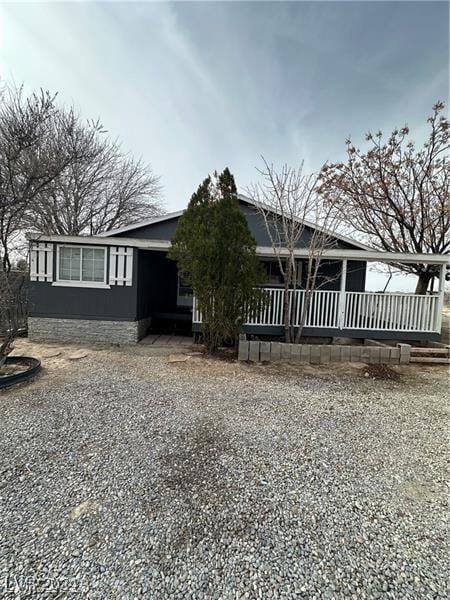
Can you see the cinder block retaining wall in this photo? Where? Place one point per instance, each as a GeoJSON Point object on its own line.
{"type": "Point", "coordinates": [318, 354]}
{"type": "Point", "coordinates": [86, 331]}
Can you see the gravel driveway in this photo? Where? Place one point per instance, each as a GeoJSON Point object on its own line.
{"type": "Point", "coordinates": [123, 475]}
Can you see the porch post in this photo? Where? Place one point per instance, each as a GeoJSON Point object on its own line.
{"type": "Point", "coordinates": [341, 309]}
{"type": "Point", "coordinates": [440, 302]}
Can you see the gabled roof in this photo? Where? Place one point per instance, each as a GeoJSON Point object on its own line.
{"type": "Point", "coordinates": [152, 221]}
{"type": "Point", "coordinates": [245, 200]}
{"type": "Point", "coordinates": [312, 225]}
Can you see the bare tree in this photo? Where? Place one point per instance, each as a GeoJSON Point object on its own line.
{"type": "Point", "coordinates": [12, 310]}
{"type": "Point", "coordinates": [31, 157]}
{"type": "Point", "coordinates": [60, 174]}
{"type": "Point", "coordinates": [102, 190]}
{"type": "Point", "coordinates": [397, 197]}
{"type": "Point", "coordinates": [288, 203]}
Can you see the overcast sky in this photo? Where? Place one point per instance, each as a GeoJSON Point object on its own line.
{"type": "Point", "coordinates": [193, 87]}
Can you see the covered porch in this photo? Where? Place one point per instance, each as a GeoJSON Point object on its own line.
{"type": "Point", "coordinates": [354, 314]}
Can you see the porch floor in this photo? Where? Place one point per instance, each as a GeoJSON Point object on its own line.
{"type": "Point", "coordinates": [158, 340]}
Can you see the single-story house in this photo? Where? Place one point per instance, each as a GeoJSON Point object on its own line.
{"type": "Point", "coordinates": [115, 286]}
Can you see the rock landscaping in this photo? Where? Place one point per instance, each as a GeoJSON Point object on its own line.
{"type": "Point", "coordinates": [212, 479]}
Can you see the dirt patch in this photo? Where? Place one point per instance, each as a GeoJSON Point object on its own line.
{"type": "Point", "coordinates": [381, 372]}
{"type": "Point", "coordinates": [88, 507]}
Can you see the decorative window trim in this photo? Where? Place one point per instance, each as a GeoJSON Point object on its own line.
{"type": "Point", "coordinates": [84, 284]}
{"type": "Point", "coordinates": [121, 265]}
{"type": "Point", "coordinates": [79, 282]}
{"type": "Point", "coordinates": [41, 261]}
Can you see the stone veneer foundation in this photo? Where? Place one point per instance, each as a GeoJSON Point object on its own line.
{"type": "Point", "coordinates": [86, 330]}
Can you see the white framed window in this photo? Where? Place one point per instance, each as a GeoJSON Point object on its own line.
{"type": "Point", "coordinates": [81, 266]}
{"type": "Point", "coordinates": [274, 276]}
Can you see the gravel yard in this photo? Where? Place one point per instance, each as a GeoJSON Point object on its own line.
{"type": "Point", "coordinates": [123, 475]}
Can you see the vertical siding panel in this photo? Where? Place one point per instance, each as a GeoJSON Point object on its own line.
{"type": "Point", "coordinates": [33, 263]}
{"type": "Point", "coordinates": [129, 266]}
{"type": "Point", "coordinates": [49, 259]}
{"type": "Point", "coordinates": [112, 265]}
{"type": "Point", "coordinates": [120, 267]}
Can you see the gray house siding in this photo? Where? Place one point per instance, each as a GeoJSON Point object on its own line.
{"type": "Point", "coordinates": [164, 230]}
{"type": "Point", "coordinates": [329, 275]}
{"type": "Point", "coordinates": [258, 228]}
{"type": "Point", "coordinates": [79, 314]}
{"type": "Point", "coordinates": [115, 304]}
{"type": "Point", "coordinates": [119, 303]}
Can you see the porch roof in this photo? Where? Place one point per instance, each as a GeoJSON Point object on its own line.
{"type": "Point", "coordinates": [264, 251]}
{"type": "Point", "coordinates": [362, 255]}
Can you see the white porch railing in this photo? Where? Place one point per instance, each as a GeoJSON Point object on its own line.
{"type": "Point", "coordinates": [391, 312]}
{"type": "Point", "coordinates": [356, 310]}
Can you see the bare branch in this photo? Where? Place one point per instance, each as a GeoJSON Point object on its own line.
{"type": "Point", "coordinates": [287, 201]}
{"type": "Point", "coordinates": [397, 197]}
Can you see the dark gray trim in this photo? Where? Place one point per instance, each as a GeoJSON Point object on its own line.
{"type": "Point", "coordinates": [329, 332]}
{"type": "Point", "coordinates": [78, 317]}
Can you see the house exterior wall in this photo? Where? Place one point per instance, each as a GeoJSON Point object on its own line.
{"type": "Point", "coordinates": [115, 304]}
{"type": "Point", "coordinates": [163, 230]}
{"type": "Point", "coordinates": [118, 303]}
{"type": "Point", "coordinates": [329, 275]}
{"type": "Point", "coordinates": [78, 314]}
{"type": "Point", "coordinates": [122, 313]}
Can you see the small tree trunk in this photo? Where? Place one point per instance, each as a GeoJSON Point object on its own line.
{"type": "Point", "coordinates": [287, 320]}
{"type": "Point", "coordinates": [5, 348]}
{"type": "Point", "coordinates": [423, 282]}
{"type": "Point", "coordinates": [305, 308]}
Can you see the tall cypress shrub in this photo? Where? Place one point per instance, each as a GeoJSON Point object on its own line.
{"type": "Point", "coordinates": [216, 254]}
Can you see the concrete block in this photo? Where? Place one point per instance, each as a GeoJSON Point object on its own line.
{"type": "Point", "coordinates": [405, 353]}
{"type": "Point", "coordinates": [305, 353]}
{"type": "Point", "coordinates": [375, 353]}
{"type": "Point", "coordinates": [385, 354]}
{"type": "Point", "coordinates": [346, 354]}
{"type": "Point", "coordinates": [315, 354]}
{"type": "Point", "coordinates": [275, 351]}
{"type": "Point", "coordinates": [286, 351]}
{"type": "Point", "coordinates": [243, 350]}
{"type": "Point", "coordinates": [335, 353]}
{"type": "Point", "coordinates": [295, 352]}
{"type": "Point", "coordinates": [366, 352]}
{"type": "Point", "coordinates": [253, 353]}
{"type": "Point", "coordinates": [325, 354]}
{"type": "Point", "coordinates": [355, 354]}
{"type": "Point", "coordinates": [264, 351]}
{"type": "Point", "coordinates": [395, 356]}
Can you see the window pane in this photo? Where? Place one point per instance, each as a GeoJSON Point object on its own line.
{"type": "Point", "coordinates": [93, 264]}
{"type": "Point", "coordinates": [273, 273]}
{"type": "Point", "coordinates": [69, 264]}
